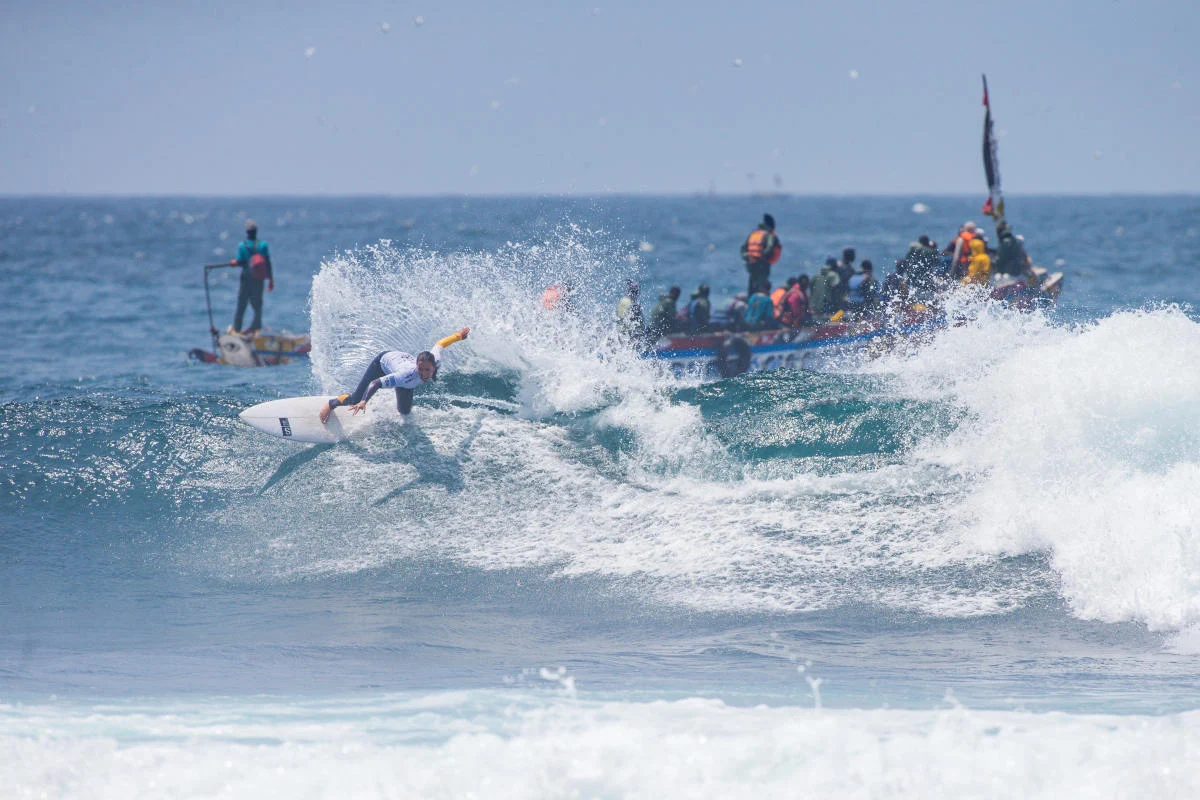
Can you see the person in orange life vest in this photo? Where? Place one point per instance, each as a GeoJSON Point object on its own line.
{"type": "Point", "coordinates": [979, 267]}
{"type": "Point", "coordinates": [777, 296]}
{"type": "Point", "coordinates": [960, 249]}
{"type": "Point", "coordinates": [761, 249]}
{"type": "Point", "coordinates": [255, 260]}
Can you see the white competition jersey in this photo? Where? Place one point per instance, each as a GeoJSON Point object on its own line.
{"type": "Point", "coordinates": [401, 368]}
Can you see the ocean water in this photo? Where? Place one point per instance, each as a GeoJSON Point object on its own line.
{"type": "Point", "coordinates": [966, 568]}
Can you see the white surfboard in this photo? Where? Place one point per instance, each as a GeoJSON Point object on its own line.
{"type": "Point", "coordinates": [296, 418]}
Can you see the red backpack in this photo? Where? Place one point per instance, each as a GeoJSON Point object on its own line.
{"type": "Point", "coordinates": [259, 266]}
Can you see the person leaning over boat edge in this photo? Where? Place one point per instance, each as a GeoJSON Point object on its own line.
{"type": "Point", "coordinates": [254, 257]}
{"type": "Point", "coordinates": [394, 369]}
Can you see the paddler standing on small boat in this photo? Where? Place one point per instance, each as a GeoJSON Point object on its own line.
{"type": "Point", "coordinates": [393, 369]}
{"type": "Point", "coordinates": [761, 249]}
{"type": "Point", "coordinates": [255, 260]}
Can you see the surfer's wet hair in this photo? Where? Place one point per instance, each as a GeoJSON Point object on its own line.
{"type": "Point", "coordinates": [425, 355]}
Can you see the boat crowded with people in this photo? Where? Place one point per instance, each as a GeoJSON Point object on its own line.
{"type": "Point", "coordinates": [843, 313]}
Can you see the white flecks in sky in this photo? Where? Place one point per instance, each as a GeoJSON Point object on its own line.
{"type": "Point", "coordinates": [514, 81]}
{"type": "Point", "coordinates": [1097, 155]}
{"type": "Point", "coordinates": [776, 153]}
{"type": "Point", "coordinates": [33, 109]}
{"type": "Point", "coordinates": [495, 105]}
{"type": "Point", "coordinates": [853, 74]}
{"type": "Point", "coordinates": [474, 170]}
{"type": "Point", "coordinates": [737, 62]}
{"type": "Point", "coordinates": [418, 21]}
{"type": "Point", "coordinates": [384, 27]}
{"type": "Point", "coordinates": [595, 12]}
{"type": "Point", "coordinates": [310, 52]}
{"type": "Point", "coordinates": [920, 208]}
{"type": "Point", "coordinates": [603, 121]}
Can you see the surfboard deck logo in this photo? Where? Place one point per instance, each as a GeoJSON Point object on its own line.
{"type": "Point", "coordinates": [296, 419]}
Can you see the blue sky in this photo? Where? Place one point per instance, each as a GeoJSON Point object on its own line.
{"type": "Point", "coordinates": [585, 98]}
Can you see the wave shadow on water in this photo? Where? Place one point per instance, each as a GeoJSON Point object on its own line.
{"type": "Point", "coordinates": [433, 467]}
{"type": "Point", "coordinates": [293, 463]}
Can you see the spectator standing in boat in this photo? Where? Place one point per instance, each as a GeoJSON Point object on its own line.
{"type": "Point", "coordinates": [254, 258]}
{"type": "Point", "coordinates": [699, 310]}
{"type": "Point", "coordinates": [630, 319]}
{"type": "Point", "coordinates": [662, 317]}
{"type": "Point", "coordinates": [824, 298]}
{"type": "Point", "coordinates": [761, 249]}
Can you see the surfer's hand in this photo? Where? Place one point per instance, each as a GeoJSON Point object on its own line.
{"type": "Point", "coordinates": [463, 333]}
{"type": "Point", "coordinates": [358, 407]}
{"type": "Point", "coordinates": [324, 413]}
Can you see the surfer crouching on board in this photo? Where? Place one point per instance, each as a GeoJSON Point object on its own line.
{"type": "Point", "coordinates": [393, 369]}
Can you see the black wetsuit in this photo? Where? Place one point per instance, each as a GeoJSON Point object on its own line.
{"type": "Point", "coordinates": [404, 397]}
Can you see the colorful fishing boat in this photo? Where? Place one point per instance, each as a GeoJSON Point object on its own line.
{"type": "Point", "coordinates": [261, 348]}
{"type": "Point", "coordinates": [716, 354]}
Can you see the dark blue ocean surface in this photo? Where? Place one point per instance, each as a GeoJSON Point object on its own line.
{"type": "Point", "coordinates": [1002, 515]}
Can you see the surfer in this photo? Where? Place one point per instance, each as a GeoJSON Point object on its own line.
{"type": "Point", "coordinates": [393, 369]}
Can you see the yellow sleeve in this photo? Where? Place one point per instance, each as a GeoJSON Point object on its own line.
{"type": "Point", "coordinates": [449, 340]}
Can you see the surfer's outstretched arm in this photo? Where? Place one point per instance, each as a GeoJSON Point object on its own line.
{"type": "Point", "coordinates": [451, 339]}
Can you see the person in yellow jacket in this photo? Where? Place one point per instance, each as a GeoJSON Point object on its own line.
{"type": "Point", "coordinates": [393, 369]}
{"type": "Point", "coordinates": [979, 266]}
